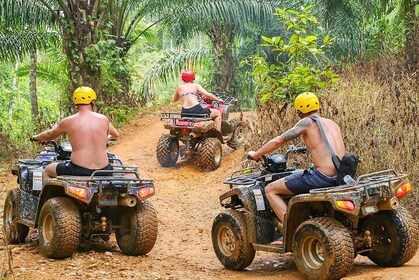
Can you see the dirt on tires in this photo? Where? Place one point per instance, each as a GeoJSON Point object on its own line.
{"type": "Point", "coordinates": [186, 203]}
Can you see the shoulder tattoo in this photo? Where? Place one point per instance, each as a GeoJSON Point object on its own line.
{"type": "Point", "coordinates": [297, 130]}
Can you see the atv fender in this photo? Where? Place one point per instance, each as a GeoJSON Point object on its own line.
{"type": "Point", "coordinates": [306, 206]}
{"type": "Point", "coordinates": [215, 133]}
{"type": "Point", "coordinates": [52, 188]}
{"type": "Point", "coordinates": [259, 226]}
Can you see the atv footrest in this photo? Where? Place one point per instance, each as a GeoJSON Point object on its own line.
{"type": "Point", "coordinates": [274, 248]}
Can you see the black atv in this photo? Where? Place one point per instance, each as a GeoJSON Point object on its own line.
{"type": "Point", "coordinates": [67, 209]}
{"type": "Point", "coordinates": [324, 229]}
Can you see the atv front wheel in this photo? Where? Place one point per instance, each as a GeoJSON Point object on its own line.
{"type": "Point", "coordinates": [138, 232]}
{"type": "Point", "coordinates": [230, 241]}
{"type": "Point", "coordinates": [14, 232]}
{"type": "Point", "coordinates": [395, 236]}
{"type": "Point", "coordinates": [59, 228]}
{"type": "Point", "coordinates": [210, 154]}
{"type": "Point", "coordinates": [167, 150]}
{"type": "Point", "coordinates": [323, 249]}
{"type": "Point", "coordinates": [240, 129]}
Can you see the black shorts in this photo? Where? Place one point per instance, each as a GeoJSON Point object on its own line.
{"type": "Point", "coordinates": [196, 110]}
{"type": "Point", "coordinates": [69, 168]}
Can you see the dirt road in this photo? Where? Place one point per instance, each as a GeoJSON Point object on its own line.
{"type": "Point", "coordinates": [186, 202]}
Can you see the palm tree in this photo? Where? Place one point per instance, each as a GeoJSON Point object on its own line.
{"type": "Point", "coordinates": [82, 24]}
{"type": "Point", "coordinates": [223, 22]}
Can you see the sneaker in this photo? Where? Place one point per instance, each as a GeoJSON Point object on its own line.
{"type": "Point", "coordinates": [279, 226]}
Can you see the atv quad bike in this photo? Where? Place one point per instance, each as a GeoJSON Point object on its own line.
{"type": "Point", "coordinates": [324, 229]}
{"type": "Point", "coordinates": [201, 140]}
{"type": "Point", "coordinates": [67, 209]}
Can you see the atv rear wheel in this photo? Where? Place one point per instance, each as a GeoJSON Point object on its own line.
{"type": "Point", "coordinates": [14, 232]}
{"type": "Point", "coordinates": [230, 241]}
{"type": "Point", "coordinates": [323, 249]}
{"type": "Point", "coordinates": [59, 228]}
{"type": "Point", "coordinates": [239, 133]}
{"type": "Point", "coordinates": [138, 232]}
{"type": "Point", "coordinates": [395, 236]}
{"type": "Point", "coordinates": [210, 154]}
{"type": "Point", "coordinates": [167, 150]}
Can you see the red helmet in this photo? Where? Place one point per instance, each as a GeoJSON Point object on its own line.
{"type": "Point", "coordinates": [188, 76]}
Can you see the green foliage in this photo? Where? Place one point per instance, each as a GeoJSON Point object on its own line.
{"type": "Point", "coordinates": [300, 62]}
{"type": "Point", "coordinates": [16, 124]}
{"type": "Point", "coordinates": [105, 56]}
{"type": "Point", "coordinates": [120, 113]}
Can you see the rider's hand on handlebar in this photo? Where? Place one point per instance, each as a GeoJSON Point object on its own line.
{"type": "Point", "coordinates": [32, 139]}
{"type": "Point", "coordinates": [251, 156]}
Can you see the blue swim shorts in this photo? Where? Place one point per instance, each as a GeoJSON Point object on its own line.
{"type": "Point", "coordinates": [306, 180]}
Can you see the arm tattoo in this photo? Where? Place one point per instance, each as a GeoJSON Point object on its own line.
{"type": "Point", "coordinates": [297, 130]}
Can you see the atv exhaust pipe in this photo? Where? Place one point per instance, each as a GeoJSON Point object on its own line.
{"type": "Point", "coordinates": [127, 201]}
{"type": "Point", "coordinates": [389, 204]}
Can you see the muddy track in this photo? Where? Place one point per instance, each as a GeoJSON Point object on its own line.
{"type": "Point", "coordinates": [186, 202]}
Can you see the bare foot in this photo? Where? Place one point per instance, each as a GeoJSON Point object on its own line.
{"type": "Point", "coordinates": [277, 242]}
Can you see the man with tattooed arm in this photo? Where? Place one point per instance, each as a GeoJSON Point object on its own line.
{"type": "Point", "coordinates": [324, 172]}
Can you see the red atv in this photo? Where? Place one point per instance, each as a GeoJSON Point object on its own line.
{"type": "Point", "coordinates": [201, 140]}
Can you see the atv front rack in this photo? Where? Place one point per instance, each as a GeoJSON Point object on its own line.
{"type": "Point", "coordinates": [246, 176]}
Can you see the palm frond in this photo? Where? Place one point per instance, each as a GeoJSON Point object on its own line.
{"type": "Point", "coordinates": [50, 71]}
{"type": "Point", "coordinates": [172, 64]}
{"type": "Point", "coordinates": [15, 44]}
{"type": "Point", "coordinates": [27, 13]}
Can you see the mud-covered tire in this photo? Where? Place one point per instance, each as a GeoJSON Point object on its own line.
{"type": "Point", "coordinates": [395, 236]}
{"type": "Point", "coordinates": [323, 249]}
{"type": "Point", "coordinates": [59, 228]}
{"type": "Point", "coordinates": [240, 129]}
{"type": "Point", "coordinates": [139, 229]}
{"type": "Point", "coordinates": [230, 240]}
{"type": "Point", "coordinates": [167, 150]}
{"type": "Point", "coordinates": [14, 232]}
{"type": "Point", "coordinates": [210, 154]}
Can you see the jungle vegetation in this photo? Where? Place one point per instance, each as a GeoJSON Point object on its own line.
{"type": "Point", "coordinates": [357, 52]}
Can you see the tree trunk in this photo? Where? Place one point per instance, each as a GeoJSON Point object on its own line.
{"type": "Point", "coordinates": [79, 33]}
{"type": "Point", "coordinates": [412, 39]}
{"type": "Point", "coordinates": [32, 88]}
{"type": "Point", "coordinates": [222, 41]}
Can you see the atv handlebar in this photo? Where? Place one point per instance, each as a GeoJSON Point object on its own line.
{"type": "Point", "coordinates": [293, 149]}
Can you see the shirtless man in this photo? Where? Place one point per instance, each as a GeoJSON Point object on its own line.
{"type": "Point", "coordinates": [188, 92]}
{"type": "Point", "coordinates": [324, 173]}
{"type": "Point", "coordinates": [88, 133]}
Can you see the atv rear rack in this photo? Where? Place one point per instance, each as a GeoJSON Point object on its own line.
{"type": "Point", "coordinates": [195, 122]}
{"type": "Point", "coordinates": [364, 181]}
{"type": "Point", "coordinates": [186, 117]}
{"type": "Point", "coordinates": [120, 176]}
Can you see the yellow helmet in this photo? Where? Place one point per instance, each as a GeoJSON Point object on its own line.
{"type": "Point", "coordinates": [83, 95]}
{"type": "Point", "coordinates": [306, 102]}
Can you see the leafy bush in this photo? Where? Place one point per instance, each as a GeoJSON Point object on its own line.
{"type": "Point", "coordinates": [301, 64]}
